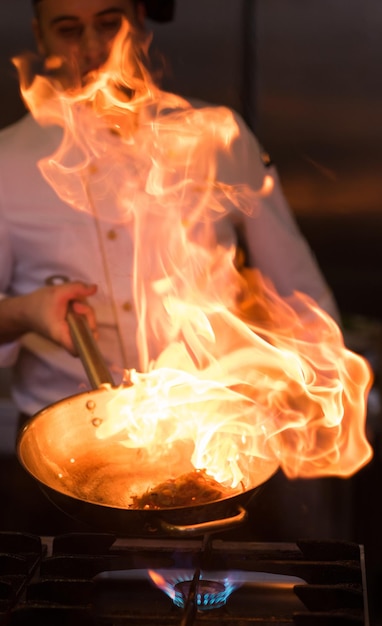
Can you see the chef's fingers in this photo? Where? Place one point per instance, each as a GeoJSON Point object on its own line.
{"type": "Point", "coordinates": [74, 295]}
{"type": "Point", "coordinates": [82, 308]}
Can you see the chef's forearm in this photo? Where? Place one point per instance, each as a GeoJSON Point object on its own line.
{"type": "Point", "coordinates": [13, 318]}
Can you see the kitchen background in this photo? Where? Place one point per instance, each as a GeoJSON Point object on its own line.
{"type": "Point", "coordinates": [305, 74]}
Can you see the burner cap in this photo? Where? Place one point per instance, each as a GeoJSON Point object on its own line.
{"type": "Point", "coordinates": [210, 594]}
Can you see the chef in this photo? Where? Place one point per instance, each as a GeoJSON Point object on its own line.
{"type": "Point", "coordinates": [42, 235]}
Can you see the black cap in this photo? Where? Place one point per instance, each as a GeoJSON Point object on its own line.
{"type": "Point", "coordinates": [160, 10]}
{"type": "Point", "coordinates": [157, 10]}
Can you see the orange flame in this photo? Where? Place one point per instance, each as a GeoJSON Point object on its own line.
{"type": "Point", "coordinates": [160, 581]}
{"type": "Point", "coordinates": [244, 375]}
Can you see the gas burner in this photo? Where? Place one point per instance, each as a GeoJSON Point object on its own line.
{"type": "Point", "coordinates": [210, 594]}
{"type": "Point", "coordinates": [211, 589]}
{"type": "Point", "coordinates": [206, 590]}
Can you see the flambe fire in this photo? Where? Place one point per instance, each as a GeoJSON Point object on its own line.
{"type": "Point", "coordinates": [243, 376]}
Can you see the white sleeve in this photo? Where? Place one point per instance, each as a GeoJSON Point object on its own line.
{"type": "Point", "coordinates": [8, 351]}
{"type": "Point", "coordinates": [270, 236]}
{"type": "Point", "coordinates": [276, 246]}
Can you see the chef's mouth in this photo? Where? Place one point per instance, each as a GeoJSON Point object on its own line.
{"type": "Point", "coordinates": [90, 69]}
{"type": "Point", "coordinates": [70, 72]}
{"type": "Point", "coordinates": [88, 74]}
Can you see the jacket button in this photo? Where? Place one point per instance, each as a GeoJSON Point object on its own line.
{"type": "Point", "coordinates": [111, 234]}
{"type": "Point", "coordinates": [126, 306]}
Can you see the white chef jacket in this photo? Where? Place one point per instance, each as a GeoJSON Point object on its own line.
{"type": "Point", "coordinates": [41, 235]}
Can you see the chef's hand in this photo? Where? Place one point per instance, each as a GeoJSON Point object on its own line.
{"type": "Point", "coordinates": [44, 312]}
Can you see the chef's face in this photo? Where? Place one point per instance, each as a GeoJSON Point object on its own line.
{"type": "Point", "coordinates": [80, 31]}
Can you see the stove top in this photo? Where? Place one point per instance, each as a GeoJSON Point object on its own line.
{"type": "Point", "coordinates": [92, 579]}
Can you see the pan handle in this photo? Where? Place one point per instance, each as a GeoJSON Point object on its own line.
{"type": "Point", "coordinates": [205, 527]}
{"type": "Point", "coordinates": [94, 364]}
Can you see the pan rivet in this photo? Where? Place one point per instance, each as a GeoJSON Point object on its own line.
{"type": "Point", "coordinates": [90, 405]}
{"type": "Point", "coordinates": [97, 422]}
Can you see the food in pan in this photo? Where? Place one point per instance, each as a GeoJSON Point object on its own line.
{"type": "Point", "coordinates": [186, 490]}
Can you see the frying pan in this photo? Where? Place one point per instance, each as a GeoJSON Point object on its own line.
{"type": "Point", "coordinates": [92, 479]}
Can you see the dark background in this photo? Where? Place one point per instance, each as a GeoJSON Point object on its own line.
{"type": "Point", "coordinates": [305, 74]}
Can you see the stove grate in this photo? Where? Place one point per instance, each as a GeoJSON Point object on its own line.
{"type": "Point", "coordinates": [96, 580]}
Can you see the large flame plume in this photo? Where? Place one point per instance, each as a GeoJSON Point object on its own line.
{"type": "Point", "coordinates": [226, 363]}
